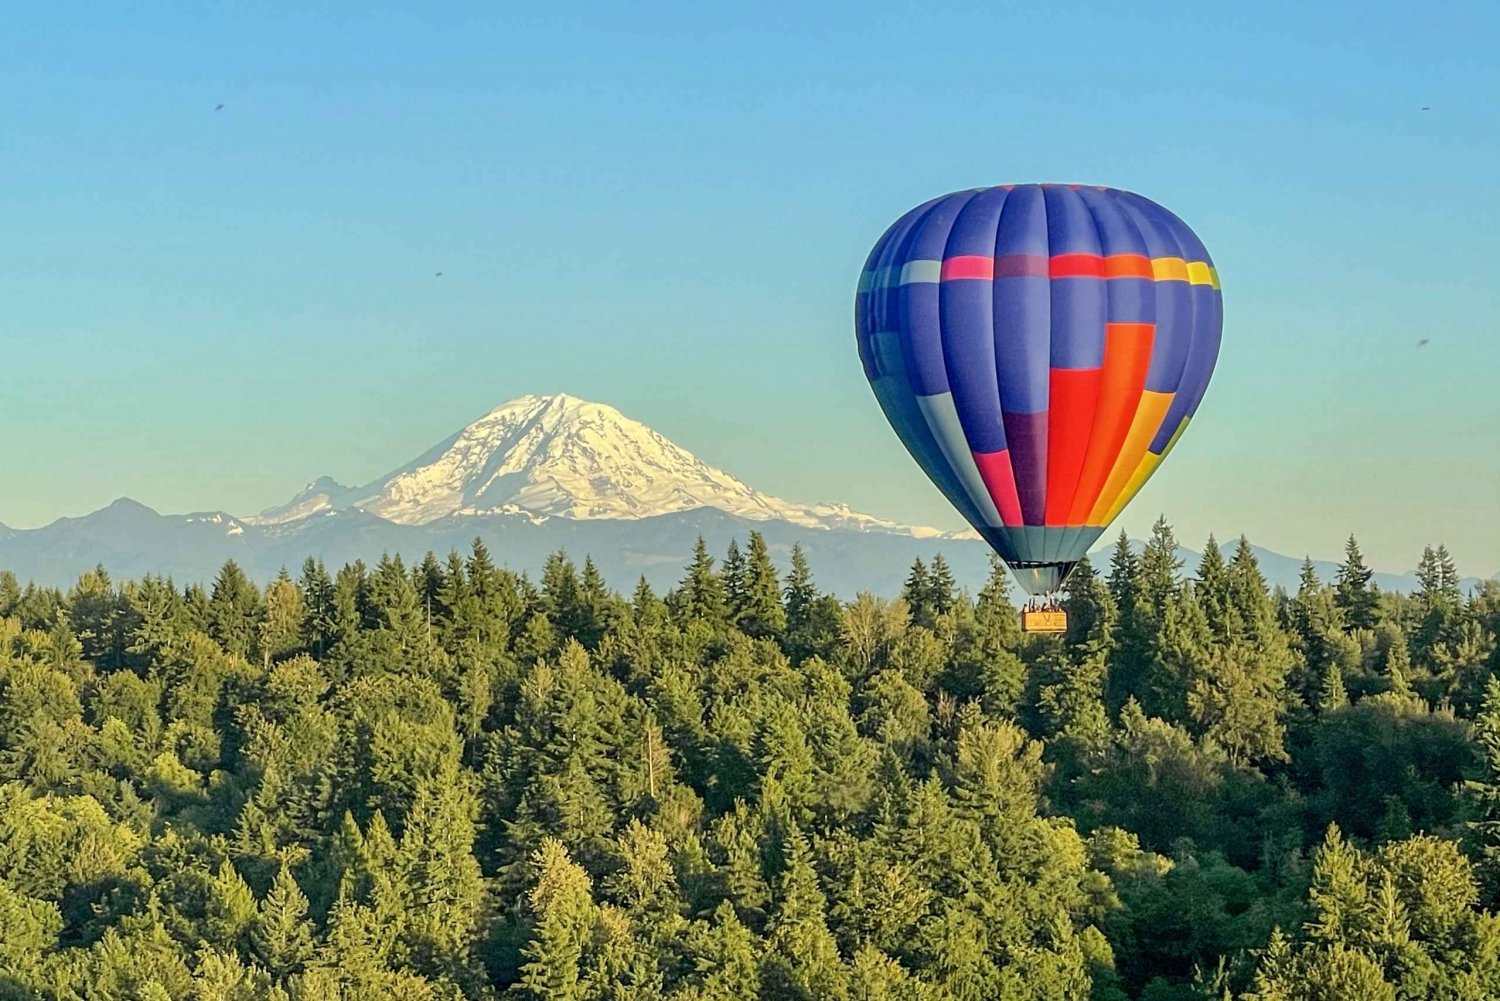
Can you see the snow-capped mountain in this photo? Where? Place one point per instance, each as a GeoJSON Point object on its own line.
{"type": "Point", "coordinates": [558, 456]}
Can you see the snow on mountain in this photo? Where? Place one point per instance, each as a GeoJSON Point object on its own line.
{"type": "Point", "coordinates": [322, 494]}
{"type": "Point", "coordinates": [231, 525]}
{"type": "Point", "coordinates": [558, 456]}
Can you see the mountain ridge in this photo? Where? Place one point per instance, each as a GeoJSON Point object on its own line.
{"type": "Point", "coordinates": [560, 456]}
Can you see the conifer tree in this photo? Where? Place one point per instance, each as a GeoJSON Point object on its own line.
{"type": "Point", "coordinates": [735, 844]}
{"type": "Point", "coordinates": [595, 601]}
{"type": "Point", "coordinates": [1160, 567]}
{"type": "Point", "coordinates": [281, 935]}
{"type": "Point", "coordinates": [1440, 604]}
{"type": "Point", "coordinates": [983, 662]}
{"type": "Point", "coordinates": [493, 606]}
{"type": "Point", "coordinates": [994, 614]}
{"type": "Point", "coordinates": [1448, 574]}
{"type": "Point", "coordinates": [1073, 702]}
{"type": "Point", "coordinates": [464, 624]}
{"type": "Point", "coordinates": [1124, 572]}
{"type": "Point", "coordinates": [1237, 698]}
{"type": "Point", "coordinates": [646, 608]}
{"type": "Point", "coordinates": [64, 652]}
{"type": "Point", "coordinates": [761, 614]}
{"type": "Point", "coordinates": [231, 908]}
{"type": "Point", "coordinates": [280, 629]}
{"type": "Point", "coordinates": [1135, 634]}
{"type": "Point", "coordinates": [10, 593]}
{"type": "Point", "coordinates": [1091, 611]}
{"type": "Point", "coordinates": [644, 883]}
{"type": "Point", "coordinates": [733, 575]}
{"type": "Point", "coordinates": [1394, 656]}
{"type": "Point", "coordinates": [799, 589]}
{"type": "Point", "coordinates": [98, 617]}
{"type": "Point", "coordinates": [441, 885]}
{"type": "Point", "coordinates": [399, 637]}
{"type": "Point", "coordinates": [318, 623]}
{"type": "Point", "coordinates": [813, 620]}
{"type": "Point", "coordinates": [1339, 898]}
{"type": "Point", "coordinates": [354, 954]}
{"type": "Point", "coordinates": [1333, 695]}
{"type": "Point", "coordinates": [560, 595]}
{"type": "Point", "coordinates": [701, 594]}
{"type": "Point", "coordinates": [804, 955]}
{"type": "Point", "coordinates": [349, 615]}
{"type": "Point", "coordinates": [917, 593]}
{"type": "Point", "coordinates": [941, 588]}
{"type": "Point", "coordinates": [1212, 590]}
{"type": "Point", "coordinates": [1247, 585]}
{"type": "Point", "coordinates": [1484, 790]}
{"type": "Point", "coordinates": [1318, 633]}
{"type": "Point", "coordinates": [29, 930]}
{"type": "Point", "coordinates": [564, 916]}
{"type": "Point", "coordinates": [158, 620]}
{"type": "Point", "coordinates": [232, 610]}
{"type": "Point", "coordinates": [537, 639]}
{"type": "Point", "coordinates": [195, 607]}
{"type": "Point", "coordinates": [1352, 589]}
{"type": "Point", "coordinates": [725, 957]}
{"type": "Point", "coordinates": [1250, 600]}
{"type": "Point", "coordinates": [430, 581]}
{"type": "Point", "coordinates": [452, 592]}
{"type": "Point", "coordinates": [476, 696]}
{"type": "Point", "coordinates": [1307, 579]}
{"type": "Point", "coordinates": [1437, 579]}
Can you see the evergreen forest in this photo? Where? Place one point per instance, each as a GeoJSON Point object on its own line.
{"type": "Point", "coordinates": [448, 780]}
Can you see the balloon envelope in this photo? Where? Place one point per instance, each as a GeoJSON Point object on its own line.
{"type": "Point", "coordinates": [1039, 348]}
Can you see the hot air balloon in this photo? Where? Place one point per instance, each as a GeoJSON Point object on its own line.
{"type": "Point", "coordinates": [1039, 349]}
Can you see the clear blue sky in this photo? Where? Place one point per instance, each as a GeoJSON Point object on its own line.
{"type": "Point", "coordinates": [665, 207]}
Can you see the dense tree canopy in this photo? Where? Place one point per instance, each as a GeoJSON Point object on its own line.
{"type": "Point", "coordinates": [444, 780]}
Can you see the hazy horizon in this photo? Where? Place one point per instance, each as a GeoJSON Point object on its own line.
{"type": "Point", "coordinates": [1334, 553]}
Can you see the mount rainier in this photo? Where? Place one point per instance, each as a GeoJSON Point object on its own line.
{"type": "Point", "coordinates": [561, 457]}
{"type": "Point", "coordinates": [535, 474]}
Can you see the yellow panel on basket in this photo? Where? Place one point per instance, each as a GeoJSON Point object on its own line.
{"type": "Point", "coordinates": [1049, 621]}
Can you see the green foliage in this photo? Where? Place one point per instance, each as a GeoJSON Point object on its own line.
{"type": "Point", "coordinates": [233, 610]}
{"type": "Point", "coordinates": [813, 620]}
{"type": "Point", "coordinates": [1397, 923]}
{"type": "Point", "coordinates": [282, 936]}
{"type": "Point", "coordinates": [442, 781]}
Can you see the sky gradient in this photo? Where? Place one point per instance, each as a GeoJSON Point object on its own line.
{"type": "Point", "coordinates": [665, 207]}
